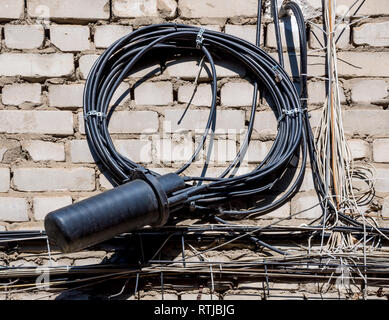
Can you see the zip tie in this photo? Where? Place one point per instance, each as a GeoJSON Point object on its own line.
{"type": "Point", "coordinates": [290, 113]}
{"type": "Point", "coordinates": [277, 74]}
{"type": "Point", "coordinates": [94, 113]}
{"type": "Point", "coordinates": [200, 38]}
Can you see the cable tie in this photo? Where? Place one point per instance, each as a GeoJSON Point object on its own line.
{"type": "Point", "coordinates": [200, 38]}
{"type": "Point", "coordinates": [290, 113]}
{"type": "Point", "coordinates": [94, 113]}
{"type": "Point", "coordinates": [277, 73]}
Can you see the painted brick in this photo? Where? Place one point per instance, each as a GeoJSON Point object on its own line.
{"type": "Point", "coordinates": [129, 122]}
{"type": "Point", "coordinates": [107, 34]}
{"type": "Point", "coordinates": [36, 65]}
{"type": "Point", "coordinates": [372, 34]}
{"type": "Point", "coordinates": [236, 94]}
{"type": "Point", "coordinates": [196, 120]}
{"type": "Point", "coordinates": [13, 209]}
{"type": "Point", "coordinates": [202, 97]}
{"type": "Point", "coordinates": [4, 179]}
{"type": "Point", "coordinates": [11, 9]}
{"type": "Point", "coordinates": [17, 94]}
{"type": "Point", "coordinates": [43, 122]}
{"type": "Point", "coordinates": [88, 10]}
{"type": "Point", "coordinates": [86, 62]}
{"type": "Point", "coordinates": [217, 8]}
{"type": "Point", "coordinates": [54, 179]}
{"type": "Point", "coordinates": [366, 91]}
{"type": "Point", "coordinates": [69, 38]}
{"type": "Point", "coordinates": [154, 93]}
{"type": "Point", "coordinates": [23, 36]}
{"type": "Point", "coordinates": [44, 151]}
{"type": "Point", "coordinates": [381, 150]}
{"type": "Point", "coordinates": [44, 205]}
{"type": "Point", "coordinates": [66, 95]}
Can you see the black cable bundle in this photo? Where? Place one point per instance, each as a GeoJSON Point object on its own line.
{"type": "Point", "coordinates": [149, 198]}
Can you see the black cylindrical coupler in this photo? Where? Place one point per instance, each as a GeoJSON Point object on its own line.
{"type": "Point", "coordinates": [129, 207]}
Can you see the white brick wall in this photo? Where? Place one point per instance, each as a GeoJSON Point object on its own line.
{"type": "Point", "coordinates": [44, 205]}
{"type": "Point", "coordinates": [130, 122]}
{"type": "Point", "coordinates": [66, 95]}
{"type": "Point", "coordinates": [202, 97]}
{"type": "Point", "coordinates": [43, 68]}
{"type": "Point", "coordinates": [229, 96]}
{"type": "Point", "coordinates": [246, 32]}
{"type": "Point", "coordinates": [365, 91]}
{"type": "Point", "coordinates": [79, 151]}
{"type": "Point", "coordinates": [86, 62]}
{"type": "Point", "coordinates": [36, 65]}
{"type": "Point", "coordinates": [43, 122]}
{"type": "Point", "coordinates": [371, 7]}
{"type": "Point", "coordinates": [217, 8]}
{"type": "Point", "coordinates": [307, 204]}
{"type": "Point", "coordinates": [134, 9]}
{"type": "Point", "coordinates": [381, 150]}
{"type": "Point", "coordinates": [23, 36]}
{"type": "Point", "coordinates": [13, 209]}
{"type": "Point", "coordinates": [11, 9]}
{"type": "Point", "coordinates": [17, 94]}
{"type": "Point", "coordinates": [44, 151]}
{"type": "Point", "coordinates": [197, 119]}
{"type": "Point", "coordinates": [367, 64]}
{"type": "Point", "coordinates": [76, 10]}
{"type": "Point", "coordinates": [107, 34]}
{"type": "Point", "coordinates": [154, 93]}
{"type": "Point", "coordinates": [373, 34]}
{"type": "Point", "coordinates": [54, 179]}
{"type": "Point", "coordinates": [4, 179]}
{"type": "Point", "coordinates": [360, 149]}
{"type": "Point", "coordinates": [69, 38]}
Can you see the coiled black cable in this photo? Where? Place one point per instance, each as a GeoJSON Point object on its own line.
{"type": "Point", "coordinates": [120, 59]}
